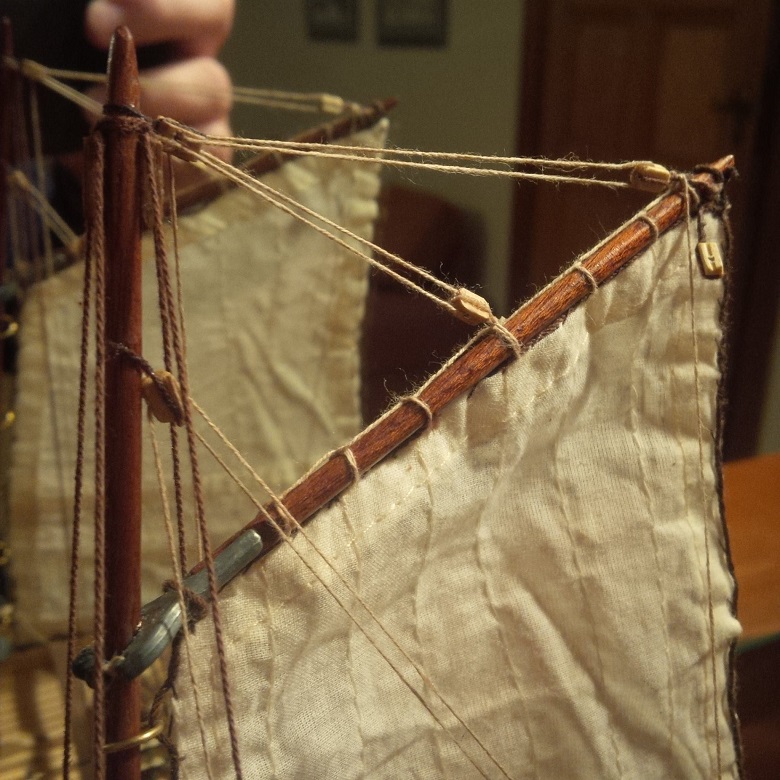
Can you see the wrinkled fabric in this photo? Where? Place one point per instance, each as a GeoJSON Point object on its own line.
{"type": "Point", "coordinates": [540, 554]}
{"type": "Point", "coordinates": [273, 313]}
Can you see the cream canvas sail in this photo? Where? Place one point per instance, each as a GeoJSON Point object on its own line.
{"type": "Point", "coordinates": [274, 315]}
{"type": "Point", "coordinates": [549, 554]}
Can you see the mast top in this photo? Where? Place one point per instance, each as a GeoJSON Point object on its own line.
{"type": "Point", "coordinates": [124, 88]}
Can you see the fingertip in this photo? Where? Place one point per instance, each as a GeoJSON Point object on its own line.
{"type": "Point", "coordinates": [195, 91]}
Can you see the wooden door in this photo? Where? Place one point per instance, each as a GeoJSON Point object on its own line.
{"type": "Point", "coordinates": [675, 81]}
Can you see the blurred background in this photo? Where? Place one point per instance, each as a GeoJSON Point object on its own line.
{"type": "Point", "coordinates": [679, 82]}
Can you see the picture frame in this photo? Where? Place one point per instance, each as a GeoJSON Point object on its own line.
{"type": "Point", "coordinates": [412, 22]}
{"type": "Point", "coordinates": [332, 20]}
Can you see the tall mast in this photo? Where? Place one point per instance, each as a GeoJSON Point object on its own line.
{"type": "Point", "coordinates": [122, 193]}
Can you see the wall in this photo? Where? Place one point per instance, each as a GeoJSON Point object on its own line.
{"type": "Point", "coordinates": [462, 97]}
{"type": "Point", "coordinates": [769, 439]}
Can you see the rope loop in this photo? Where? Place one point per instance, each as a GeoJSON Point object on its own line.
{"type": "Point", "coordinates": [650, 222]}
{"type": "Point", "coordinates": [506, 336]}
{"type": "Point", "coordinates": [578, 267]}
{"type": "Point", "coordinates": [349, 456]}
{"type": "Point", "coordinates": [417, 401]}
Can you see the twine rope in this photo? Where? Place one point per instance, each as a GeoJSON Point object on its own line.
{"type": "Point", "coordinates": [433, 161]}
{"type": "Point", "coordinates": [700, 428]}
{"type": "Point", "coordinates": [54, 222]}
{"type": "Point", "coordinates": [169, 323]}
{"type": "Point", "coordinates": [311, 218]}
{"type": "Point", "coordinates": [186, 633]}
{"type": "Point", "coordinates": [589, 277]}
{"type": "Point", "coordinates": [178, 345]}
{"type": "Point", "coordinates": [312, 102]}
{"type": "Point", "coordinates": [349, 457]}
{"type": "Point", "coordinates": [100, 460]}
{"type": "Point", "coordinates": [94, 236]}
{"type": "Point", "coordinates": [417, 401]}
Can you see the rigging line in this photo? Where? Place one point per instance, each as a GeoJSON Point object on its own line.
{"type": "Point", "coordinates": [54, 222]}
{"type": "Point", "coordinates": [180, 349]}
{"type": "Point", "coordinates": [686, 187]}
{"type": "Point", "coordinates": [167, 315]}
{"type": "Point", "coordinates": [176, 343]}
{"type": "Point", "coordinates": [241, 177]}
{"type": "Point", "coordinates": [295, 526]}
{"type": "Point", "coordinates": [36, 72]}
{"type": "Point", "coordinates": [78, 492]}
{"type": "Point", "coordinates": [272, 98]}
{"type": "Point", "coordinates": [437, 168]}
{"type": "Point", "coordinates": [179, 580]}
{"type": "Point", "coordinates": [97, 209]}
{"type": "Point", "coordinates": [643, 174]}
{"type": "Point", "coordinates": [40, 173]}
{"type": "Point", "coordinates": [280, 200]}
{"type": "Point", "coordinates": [180, 340]}
{"type": "Point", "coordinates": [540, 162]}
{"type": "Point", "coordinates": [323, 150]}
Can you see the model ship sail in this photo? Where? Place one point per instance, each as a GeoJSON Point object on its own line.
{"type": "Point", "coordinates": [275, 312]}
{"type": "Point", "coordinates": [549, 554]}
{"type": "Point", "coordinates": [519, 571]}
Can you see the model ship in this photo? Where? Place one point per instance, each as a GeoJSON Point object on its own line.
{"type": "Point", "coordinates": [518, 570]}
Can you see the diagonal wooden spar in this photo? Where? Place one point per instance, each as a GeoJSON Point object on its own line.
{"type": "Point", "coordinates": [529, 323]}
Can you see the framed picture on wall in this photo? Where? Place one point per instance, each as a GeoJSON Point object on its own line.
{"type": "Point", "coordinates": [412, 22]}
{"type": "Point", "coordinates": [332, 20]}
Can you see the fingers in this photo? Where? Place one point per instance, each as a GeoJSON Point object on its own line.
{"type": "Point", "coordinates": [196, 92]}
{"type": "Point", "coordinates": [194, 89]}
{"type": "Point", "coordinates": [196, 27]}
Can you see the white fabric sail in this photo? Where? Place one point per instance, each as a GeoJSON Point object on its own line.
{"type": "Point", "coordinates": [273, 316]}
{"type": "Point", "coordinates": [550, 554]}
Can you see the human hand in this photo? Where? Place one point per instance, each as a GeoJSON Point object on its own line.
{"type": "Point", "coordinates": [194, 87]}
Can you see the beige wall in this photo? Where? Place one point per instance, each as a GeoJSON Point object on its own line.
{"type": "Point", "coordinates": [462, 97]}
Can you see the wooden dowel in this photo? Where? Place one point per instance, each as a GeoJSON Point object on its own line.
{"type": "Point", "coordinates": [123, 396]}
{"type": "Point", "coordinates": [527, 324]}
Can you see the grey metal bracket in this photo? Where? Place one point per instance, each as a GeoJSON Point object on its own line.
{"type": "Point", "coordinates": [161, 619]}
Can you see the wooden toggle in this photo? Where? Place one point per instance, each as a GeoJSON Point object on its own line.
{"type": "Point", "coordinates": [710, 258]}
{"type": "Point", "coordinates": [470, 307]}
{"type": "Point", "coordinates": [650, 177]}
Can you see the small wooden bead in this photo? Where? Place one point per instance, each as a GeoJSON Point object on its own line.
{"type": "Point", "coordinates": [710, 258]}
{"type": "Point", "coordinates": [156, 401]}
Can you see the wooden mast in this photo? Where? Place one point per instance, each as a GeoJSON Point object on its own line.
{"type": "Point", "coordinates": [123, 397]}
